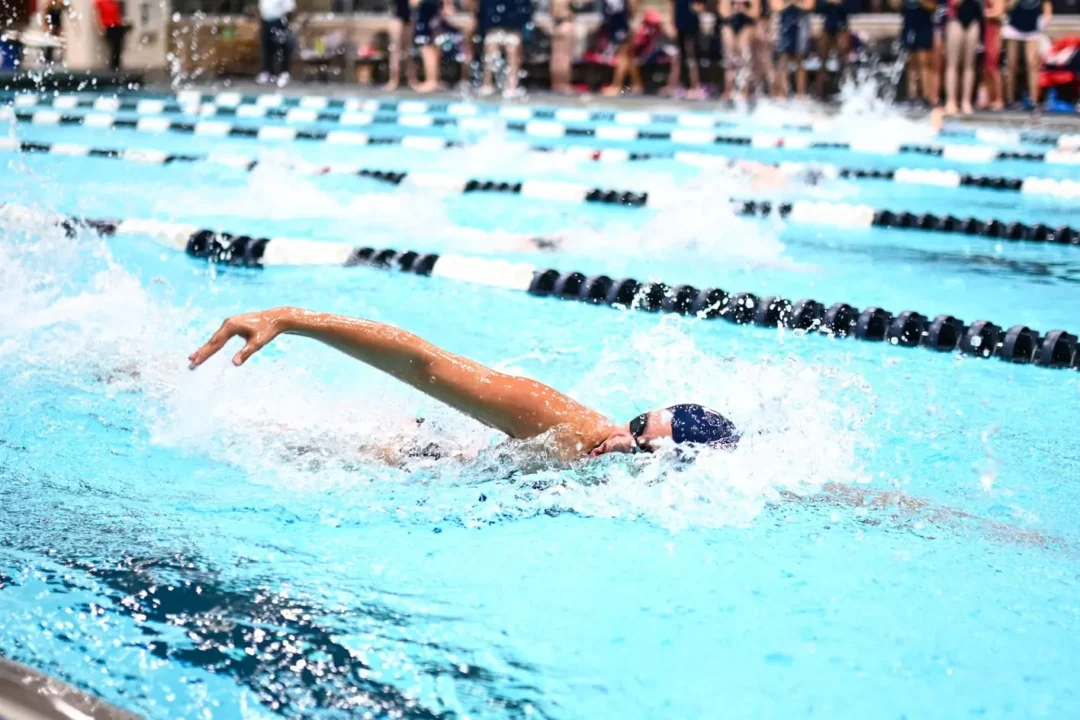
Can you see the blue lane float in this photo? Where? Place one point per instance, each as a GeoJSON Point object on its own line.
{"type": "Point", "coordinates": [550, 130]}
{"type": "Point", "coordinates": [826, 214]}
{"type": "Point", "coordinates": [945, 333]}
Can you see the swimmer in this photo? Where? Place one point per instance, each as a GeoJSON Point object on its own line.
{"type": "Point", "coordinates": [517, 406]}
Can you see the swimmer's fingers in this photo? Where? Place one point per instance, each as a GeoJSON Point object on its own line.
{"type": "Point", "coordinates": [217, 341]}
{"type": "Point", "coordinates": [255, 343]}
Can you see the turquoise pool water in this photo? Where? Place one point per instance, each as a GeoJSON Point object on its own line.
{"type": "Point", "coordinates": [896, 538]}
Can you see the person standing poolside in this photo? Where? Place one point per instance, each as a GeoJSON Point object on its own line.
{"type": "Point", "coordinates": [427, 29]}
{"type": "Point", "coordinates": [917, 35]}
{"type": "Point", "coordinates": [517, 406]}
{"type": "Point", "coordinates": [111, 24]}
{"type": "Point", "coordinates": [52, 23]}
{"type": "Point", "coordinates": [618, 16]}
{"type": "Point", "coordinates": [961, 42]}
{"type": "Point", "coordinates": [1026, 22]}
{"type": "Point", "coordinates": [276, 41]}
{"type": "Point", "coordinates": [502, 24]}
{"type": "Point", "coordinates": [400, 31]}
{"type": "Point", "coordinates": [995, 93]}
{"type": "Point", "coordinates": [835, 35]}
{"type": "Point", "coordinates": [738, 40]}
{"type": "Point", "coordinates": [562, 46]}
{"type": "Point", "coordinates": [792, 44]}
{"type": "Point", "coordinates": [687, 21]}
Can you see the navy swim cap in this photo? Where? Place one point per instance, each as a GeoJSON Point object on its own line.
{"type": "Point", "coordinates": [696, 424]}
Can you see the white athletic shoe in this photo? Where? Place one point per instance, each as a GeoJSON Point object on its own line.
{"type": "Point", "coordinates": [262, 78]}
{"type": "Point", "coordinates": [283, 79]}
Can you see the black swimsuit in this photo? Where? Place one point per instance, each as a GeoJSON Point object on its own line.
{"type": "Point", "coordinates": [969, 11]}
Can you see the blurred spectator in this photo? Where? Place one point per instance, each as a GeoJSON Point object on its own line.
{"type": "Point", "coordinates": [52, 21]}
{"type": "Point", "coordinates": [400, 31]}
{"type": "Point", "coordinates": [618, 16]}
{"type": "Point", "coordinates": [739, 17]}
{"type": "Point", "coordinates": [428, 28]}
{"type": "Point", "coordinates": [1022, 33]}
{"type": "Point", "coordinates": [835, 36]}
{"type": "Point", "coordinates": [276, 40]}
{"type": "Point", "coordinates": [792, 44]}
{"type": "Point", "coordinates": [562, 45]}
{"type": "Point", "coordinates": [917, 37]}
{"type": "Point", "coordinates": [464, 36]}
{"type": "Point", "coordinates": [995, 13]}
{"type": "Point", "coordinates": [111, 24]}
{"type": "Point", "coordinates": [502, 23]}
{"type": "Point", "coordinates": [961, 42]}
{"type": "Point", "coordinates": [687, 20]}
{"type": "Point", "coordinates": [937, 53]}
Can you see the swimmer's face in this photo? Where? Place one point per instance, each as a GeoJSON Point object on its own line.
{"type": "Point", "coordinates": [648, 432]}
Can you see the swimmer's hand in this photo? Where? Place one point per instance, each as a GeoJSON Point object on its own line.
{"type": "Point", "coordinates": [258, 329]}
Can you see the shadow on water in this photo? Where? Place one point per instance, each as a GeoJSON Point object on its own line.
{"type": "Point", "coordinates": [284, 649]}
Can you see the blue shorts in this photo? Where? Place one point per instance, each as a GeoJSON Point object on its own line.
{"type": "Point", "coordinates": [616, 27]}
{"type": "Point", "coordinates": [429, 23]}
{"type": "Point", "coordinates": [918, 32]}
{"type": "Point", "coordinates": [793, 37]}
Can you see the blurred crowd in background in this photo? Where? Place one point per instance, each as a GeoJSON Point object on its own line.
{"type": "Point", "coordinates": [956, 54]}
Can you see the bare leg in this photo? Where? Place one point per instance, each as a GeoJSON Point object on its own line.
{"type": "Point", "coordinates": [971, 44]}
{"type": "Point", "coordinates": [561, 58]}
{"type": "Point", "coordinates": [491, 56]}
{"type": "Point", "coordinates": [994, 92]}
{"type": "Point", "coordinates": [780, 80]}
{"type": "Point", "coordinates": [746, 52]}
{"type": "Point", "coordinates": [397, 35]}
{"type": "Point", "coordinates": [636, 86]}
{"type": "Point", "coordinates": [1031, 55]}
{"type": "Point", "coordinates": [936, 64]}
{"type": "Point", "coordinates": [913, 68]}
{"type": "Point", "coordinates": [693, 69]}
{"type": "Point", "coordinates": [468, 31]}
{"type": "Point", "coordinates": [926, 75]}
{"type": "Point", "coordinates": [618, 78]}
{"type": "Point", "coordinates": [674, 76]}
{"type": "Point", "coordinates": [1011, 61]}
{"type": "Point", "coordinates": [800, 78]}
{"type": "Point", "coordinates": [513, 62]}
{"type": "Point", "coordinates": [431, 56]}
{"type": "Point", "coordinates": [954, 40]}
{"type": "Point", "coordinates": [731, 64]}
{"type": "Point", "coordinates": [825, 46]}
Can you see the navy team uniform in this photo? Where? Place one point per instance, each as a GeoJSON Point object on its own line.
{"type": "Point", "coordinates": [793, 37]}
{"type": "Point", "coordinates": [616, 22]}
{"type": "Point", "coordinates": [918, 30]}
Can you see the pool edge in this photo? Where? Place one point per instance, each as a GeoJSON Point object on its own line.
{"type": "Point", "coordinates": [28, 694]}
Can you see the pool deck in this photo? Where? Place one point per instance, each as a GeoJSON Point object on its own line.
{"type": "Point", "coordinates": [1058, 122]}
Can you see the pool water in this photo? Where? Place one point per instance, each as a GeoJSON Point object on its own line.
{"type": "Point", "coordinates": [896, 536]}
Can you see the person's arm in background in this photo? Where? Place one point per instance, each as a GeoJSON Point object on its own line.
{"type": "Point", "coordinates": [517, 406]}
{"type": "Point", "coordinates": [807, 5]}
{"type": "Point", "coordinates": [1047, 14]}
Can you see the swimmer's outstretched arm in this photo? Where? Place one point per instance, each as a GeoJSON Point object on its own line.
{"type": "Point", "coordinates": [519, 407]}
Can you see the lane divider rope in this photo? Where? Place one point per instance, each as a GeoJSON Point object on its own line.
{"type": "Point", "coordinates": [799, 212]}
{"type": "Point", "coordinates": [551, 129]}
{"type": "Point", "coordinates": [945, 333]}
{"type": "Point", "coordinates": [223, 102]}
{"type": "Point", "coordinates": [279, 106]}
